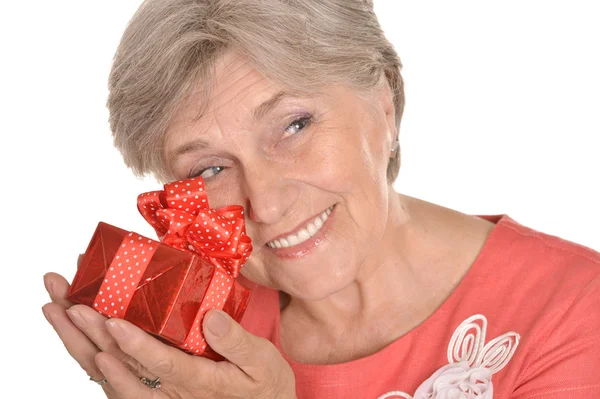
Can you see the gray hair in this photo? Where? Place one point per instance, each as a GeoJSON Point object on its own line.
{"type": "Point", "coordinates": [170, 46]}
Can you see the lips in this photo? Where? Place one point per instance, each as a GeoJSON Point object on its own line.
{"type": "Point", "coordinates": [310, 229]}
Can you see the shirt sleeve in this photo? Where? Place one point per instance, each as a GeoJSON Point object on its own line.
{"type": "Point", "coordinates": [567, 364]}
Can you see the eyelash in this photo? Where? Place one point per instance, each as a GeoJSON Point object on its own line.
{"type": "Point", "coordinates": [303, 122]}
{"type": "Point", "coordinates": [306, 120]}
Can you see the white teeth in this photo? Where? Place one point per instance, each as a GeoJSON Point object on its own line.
{"type": "Point", "coordinates": [318, 222]}
{"type": "Point", "coordinates": [311, 229]}
{"type": "Point", "coordinates": [303, 234]}
{"type": "Point", "coordinates": [293, 240]}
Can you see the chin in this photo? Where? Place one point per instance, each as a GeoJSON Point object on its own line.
{"type": "Point", "coordinates": [317, 279]}
{"type": "Point", "coordinates": [316, 291]}
{"type": "Point", "coordinates": [314, 269]}
{"type": "Point", "coordinates": [311, 278]}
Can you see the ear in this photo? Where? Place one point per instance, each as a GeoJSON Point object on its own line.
{"type": "Point", "coordinates": [385, 96]}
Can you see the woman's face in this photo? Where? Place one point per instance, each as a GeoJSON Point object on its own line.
{"type": "Point", "coordinates": [310, 172]}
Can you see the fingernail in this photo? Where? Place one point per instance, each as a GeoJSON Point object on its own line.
{"type": "Point", "coordinates": [49, 284]}
{"type": "Point", "coordinates": [47, 316]}
{"type": "Point", "coordinates": [217, 323]}
{"type": "Point", "coordinates": [101, 364]}
{"type": "Point", "coordinates": [76, 318]}
{"type": "Point", "coordinates": [115, 329]}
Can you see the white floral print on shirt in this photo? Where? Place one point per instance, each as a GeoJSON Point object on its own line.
{"type": "Point", "coordinates": [471, 364]}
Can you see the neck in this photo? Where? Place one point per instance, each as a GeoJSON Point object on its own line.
{"type": "Point", "coordinates": [425, 253]}
{"type": "Point", "coordinates": [389, 280]}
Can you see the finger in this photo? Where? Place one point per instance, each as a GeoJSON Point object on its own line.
{"type": "Point", "coordinates": [92, 324]}
{"type": "Point", "coordinates": [57, 286]}
{"type": "Point", "coordinates": [123, 382]}
{"type": "Point", "coordinates": [168, 363]}
{"type": "Point", "coordinates": [75, 341]}
{"type": "Point", "coordinates": [254, 355]}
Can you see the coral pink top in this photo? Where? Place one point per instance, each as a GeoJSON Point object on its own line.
{"type": "Point", "coordinates": [524, 323]}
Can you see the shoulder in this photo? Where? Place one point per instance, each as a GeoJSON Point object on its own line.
{"type": "Point", "coordinates": [533, 275]}
{"type": "Point", "coordinates": [548, 289]}
{"type": "Point", "coordinates": [550, 246]}
{"type": "Point", "coordinates": [540, 276]}
{"type": "Point", "coordinates": [538, 298]}
{"type": "Point", "coordinates": [536, 262]}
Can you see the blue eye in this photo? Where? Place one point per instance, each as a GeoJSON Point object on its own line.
{"type": "Point", "coordinates": [296, 126]}
{"type": "Point", "coordinates": [207, 173]}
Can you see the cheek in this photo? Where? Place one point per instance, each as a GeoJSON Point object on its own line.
{"type": "Point", "coordinates": [333, 162]}
{"type": "Point", "coordinates": [356, 156]}
{"type": "Point", "coordinates": [255, 271]}
{"type": "Point", "coordinates": [226, 190]}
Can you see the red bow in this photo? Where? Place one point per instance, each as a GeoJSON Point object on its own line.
{"type": "Point", "coordinates": [182, 219]}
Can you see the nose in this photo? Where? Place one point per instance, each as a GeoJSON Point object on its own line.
{"type": "Point", "coordinates": [270, 196]}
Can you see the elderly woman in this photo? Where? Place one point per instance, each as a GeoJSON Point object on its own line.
{"type": "Point", "coordinates": [292, 109]}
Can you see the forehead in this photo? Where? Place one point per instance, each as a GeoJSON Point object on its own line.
{"type": "Point", "coordinates": [237, 93]}
{"type": "Point", "coordinates": [235, 80]}
{"type": "Point", "coordinates": [235, 86]}
{"type": "Point", "coordinates": [235, 99]}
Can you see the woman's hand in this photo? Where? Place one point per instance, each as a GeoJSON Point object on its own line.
{"type": "Point", "coordinates": [121, 352]}
{"type": "Point", "coordinates": [85, 342]}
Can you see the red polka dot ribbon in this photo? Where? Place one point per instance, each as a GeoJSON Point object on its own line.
{"type": "Point", "coordinates": [216, 296]}
{"type": "Point", "coordinates": [124, 275]}
{"type": "Point", "coordinates": [182, 219]}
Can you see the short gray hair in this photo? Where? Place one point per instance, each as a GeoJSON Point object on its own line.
{"type": "Point", "coordinates": [170, 46]}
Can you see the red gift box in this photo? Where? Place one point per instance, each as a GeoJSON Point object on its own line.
{"type": "Point", "coordinates": [167, 287]}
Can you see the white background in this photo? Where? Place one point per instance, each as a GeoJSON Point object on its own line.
{"type": "Point", "coordinates": [502, 116]}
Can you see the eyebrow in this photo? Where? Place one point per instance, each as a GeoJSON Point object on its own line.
{"type": "Point", "coordinates": [268, 105]}
{"type": "Point", "coordinates": [189, 147]}
{"type": "Point", "coordinates": [258, 113]}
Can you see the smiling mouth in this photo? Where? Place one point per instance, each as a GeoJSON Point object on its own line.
{"type": "Point", "coordinates": [303, 234]}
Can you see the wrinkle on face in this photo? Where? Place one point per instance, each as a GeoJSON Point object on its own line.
{"type": "Point", "coordinates": [338, 159]}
